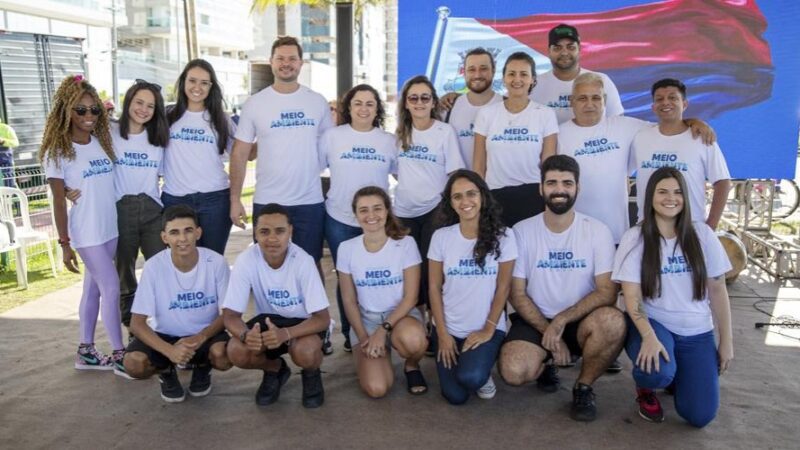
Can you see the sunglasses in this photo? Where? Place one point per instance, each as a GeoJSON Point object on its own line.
{"type": "Point", "coordinates": [424, 99]}
{"type": "Point", "coordinates": [147, 83]}
{"type": "Point", "coordinates": [82, 110]}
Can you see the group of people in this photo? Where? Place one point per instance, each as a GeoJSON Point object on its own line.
{"type": "Point", "coordinates": [516, 200]}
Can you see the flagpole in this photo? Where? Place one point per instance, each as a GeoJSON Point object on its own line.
{"type": "Point", "coordinates": [443, 12]}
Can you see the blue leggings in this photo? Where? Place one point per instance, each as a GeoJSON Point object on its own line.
{"type": "Point", "coordinates": [472, 371]}
{"type": "Point", "coordinates": [693, 367]}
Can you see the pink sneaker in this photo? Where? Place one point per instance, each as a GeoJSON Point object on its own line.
{"type": "Point", "coordinates": [89, 358]}
{"type": "Point", "coordinates": [649, 406]}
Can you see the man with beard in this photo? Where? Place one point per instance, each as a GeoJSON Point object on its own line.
{"type": "Point", "coordinates": [479, 68]}
{"type": "Point", "coordinates": [562, 293]}
{"type": "Point", "coordinates": [554, 88]}
{"type": "Point", "coordinates": [285, 119]}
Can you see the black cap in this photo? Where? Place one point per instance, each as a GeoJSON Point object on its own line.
{"type": "Point", "coordinates": [563, 31]}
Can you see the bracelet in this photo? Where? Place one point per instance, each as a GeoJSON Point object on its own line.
{"type": "Point", "coordinates": [288, 334]}
{"type": "Point", "coordinates": [63, 242]}
{"type": "Point", "coordinates": [493, 323]}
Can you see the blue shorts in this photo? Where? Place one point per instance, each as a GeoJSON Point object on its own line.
{"type": "Point", "coordinates": [308, 225]}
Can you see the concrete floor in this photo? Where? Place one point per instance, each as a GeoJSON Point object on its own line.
{"type": "Point", "coordinates": [45, 403]}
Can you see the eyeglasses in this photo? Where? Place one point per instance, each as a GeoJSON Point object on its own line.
{"type": "Point", "coordinates": [147, 83]}
{"type": "Point", "coordinates": [82, 110]}
{"type": "Point", "coordinates": [424, 99]}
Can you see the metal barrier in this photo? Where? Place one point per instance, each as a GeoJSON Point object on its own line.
{"type": "Point", "coordinates": [30, 179]}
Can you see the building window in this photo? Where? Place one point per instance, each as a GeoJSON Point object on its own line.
{"type": "Point", "coordinates": [205, 19]}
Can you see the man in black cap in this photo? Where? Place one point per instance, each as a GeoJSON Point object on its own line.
{"type": "Point", "coordinates": [554, 87]}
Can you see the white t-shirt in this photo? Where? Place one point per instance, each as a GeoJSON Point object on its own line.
{"type": "Point", "coordinates": [560, 268]}
{"type": "Point", "coordinates": [514, 142]}
{"type": "Point", "coordinates": [138, 165]}
{"type": "Point", "coordinates": [286, 128]}
{"type": "Point", "coordinates": [356, 159]}
{"type": "Point", "coordinates": [552, 92]}
{"type": "Point", "coordinates": [462, 118]}
{"type": "Point", "coordinates": [603, 152]}
{"type": "Point", "coordinates": [192, 162]}
{"type": "Point", "coordinates": [93, 218]}
{"type": "Point", "coordinates": [293, 291]}
{"type": "Point", "coordinates": [422, 169]}
{"type": "Point", "coordinates": [468, 291]}
{"type": "Point", "coordinates": [378, 276]}
{"type": "Point", "coordinates": [698, 162]}
{"type": "Point", "coordinates": [182, 304]}
{"type": "Point", "coordinates": [675, 308]}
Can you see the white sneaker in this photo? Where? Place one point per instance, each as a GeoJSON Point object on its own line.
{"type": "Point", "coordinates": [488, 390]}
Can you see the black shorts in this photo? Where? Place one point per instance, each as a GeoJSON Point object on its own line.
{"type": "Point", "coordinates": [281, 322]}
{"type": "Point", "coordinates": [161, 362]}
{"type": "Point", "coordinates": [523, 331]}
{"type": "Point", "coordinates": [519, 202]}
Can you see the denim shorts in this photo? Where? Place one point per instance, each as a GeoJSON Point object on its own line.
{"type": "Point", "coordinates": [373, 320]}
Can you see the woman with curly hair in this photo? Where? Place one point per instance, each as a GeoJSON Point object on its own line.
{"type": "Point", "coordinates": [672, 272]}
{"type": "Point", "coordinates": [200, 134]}
{"type": "Point", "coordinates": [471, 263]}
{"type": "Point", "coordinates": [358, 153]}
{"type": "Point", "coordinates": [77, 152]}
{"type": "Point", "coordinates": [379, 278]}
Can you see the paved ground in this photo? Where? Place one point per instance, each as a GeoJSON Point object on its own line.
{"type": "Point", "coordinates": [45, 403]}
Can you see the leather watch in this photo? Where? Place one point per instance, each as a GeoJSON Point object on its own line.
{"type": "Point", "coordinates": [387, 326]}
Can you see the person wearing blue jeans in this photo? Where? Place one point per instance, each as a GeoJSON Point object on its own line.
{"type": "Point", "coordinates": [473, 370]}
{"type": "Point", "coordinates": [211, 208]}
{"type": "Point", "coordinates": [692, 367]}
{"type": "Point", "coordinates": [471, 261]}
{"type": "Point", "coordinates": [335, 233]}
{"type": "Point", "coordinates": [673, 278]}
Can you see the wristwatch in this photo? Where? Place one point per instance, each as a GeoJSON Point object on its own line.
{"type": "Point", "coordinates": [387, 326]}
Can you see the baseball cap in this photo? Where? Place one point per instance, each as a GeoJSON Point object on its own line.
{"type": "Point", "coordinates": [563, 31]}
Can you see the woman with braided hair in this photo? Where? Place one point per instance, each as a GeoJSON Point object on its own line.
{"type": "Point", "coordinates": [77, 153]}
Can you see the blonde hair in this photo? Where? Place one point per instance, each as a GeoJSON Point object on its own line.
{"type": "Point", "coordinates": [57, 139]}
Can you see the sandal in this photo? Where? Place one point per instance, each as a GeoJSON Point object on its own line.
{"type": "Point", "coordinates": [414, 381]}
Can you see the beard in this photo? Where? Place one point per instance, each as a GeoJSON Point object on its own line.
{"type": "Point", "coordinates": [565, 63]}
{"type": "Point", "coordinates": [559, 208]}
{"type": "Point", "coordinates": [476, 87]}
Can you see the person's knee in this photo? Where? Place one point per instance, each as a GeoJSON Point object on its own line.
{"type": "Point", "coordinates": [218, 357]}
{"type": "Point", "coordinates": [454, 397]}
{"type": "Point", "coordinates": [137, 364]}
{"type": "Point", "coordinates": [374, 388]}
{"type": "Point", "coordinates": [306, 352]}
{"type": "Point", "coordinates": [472, 380]}
{"type": "Point", "coordinates": [412, 343]}
{"type": "Point", "coordinates": [696, 417]}
{"type": "Point", "coordinates": [238, 355]}
{"type": "Point", "coordinates": [515, 374]}
{"type": "Point", "coordinates": [653, 380]}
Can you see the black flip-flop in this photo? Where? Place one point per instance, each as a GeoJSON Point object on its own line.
{"type": "Point", "coordinates": [414, 379]}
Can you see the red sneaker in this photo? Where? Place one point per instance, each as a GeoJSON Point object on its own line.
{"type": "Point", "coordinates": [649, 406]}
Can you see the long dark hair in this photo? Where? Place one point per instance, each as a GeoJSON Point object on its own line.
{"type": "Point", "coordinates": [686, 238]}
{"type": "Point", "coordinates": [380, 116]}
{"type": "Point", "coordinates": [490, 226]}
{"type": "Point", "coordinates": [157, 127]}
{"type": "Point", "coordinates": [214, 103]}
{"type": "Point", "coordinates": [394, 229]}
{"type": "Point", "coordinates": [404, 122]}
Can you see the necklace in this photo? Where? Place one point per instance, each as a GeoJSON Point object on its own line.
{"type": "Point", "coordinates": [196, 271]}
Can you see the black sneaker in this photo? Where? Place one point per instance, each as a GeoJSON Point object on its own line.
{"type": "Point", "coordinates": [548, 381]}
{"type": "Point", "coordinates": [270, 388]}
{"type": "Point", "coordinates": [313, 394]}
{"type": "Point", "coordinates": [614, 367]}
{"type": "Point", "coordinates": [171, 389]}
{"type": "Point", "coordinates": [347, 347]}
{"type": "Point", "coordinates": [327, 346]}
{"type": "Point", "coordinates": [200, 385]}
{"type": "Point", "coordinates": [583, 407]}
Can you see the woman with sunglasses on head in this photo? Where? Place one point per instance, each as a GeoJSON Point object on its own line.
{"type": "Point", "coordinates": [428, 153]}
{"type": "Point", "coordinates": [200, 134]}
{"type": "Point", "coordinates": [471, 264]}
{"type": "Point", "coordinates": [512, 138]}
{"type": "Point", "coordinates": [358, 153]}
{"type": "Point", "coordinates": [672, 272]}
{"type": "Point", "coordinates": [77, 151]}
{"type": "Point", "coordinates": [379, 277]}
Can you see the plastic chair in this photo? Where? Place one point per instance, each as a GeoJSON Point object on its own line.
{"type": "Point", "coordinates": [25, 235]}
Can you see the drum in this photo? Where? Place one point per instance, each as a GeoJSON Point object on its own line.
{"type": "Point", "coordinates": [736, 251]}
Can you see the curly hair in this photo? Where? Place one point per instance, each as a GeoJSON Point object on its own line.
{"type": "Point", "coordinates": [490, 225]}
{"type": "Point", "coordinates": [57, 138]}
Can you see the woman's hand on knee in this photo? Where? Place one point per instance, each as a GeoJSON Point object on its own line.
{"type": "Point", "coordinates": [648, 359]}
